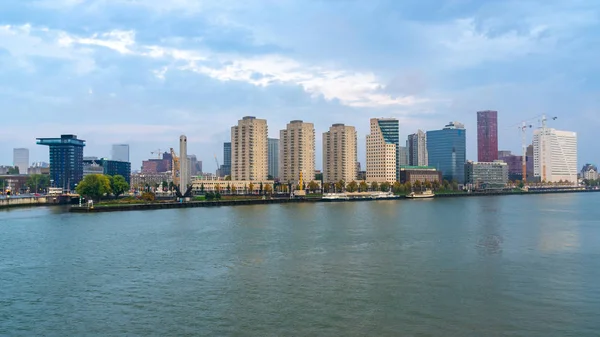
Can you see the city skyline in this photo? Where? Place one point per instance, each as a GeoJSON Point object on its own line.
{"type": "Point", "coordinates": [424, 63]}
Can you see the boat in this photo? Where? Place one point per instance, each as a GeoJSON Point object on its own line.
{"type": "Point", "coordinates": [335, 196]}
{"type": "Point", "coordinates": [421, 195]}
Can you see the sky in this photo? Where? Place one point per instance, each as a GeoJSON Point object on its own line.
{"type": "Point", "coordinates": [143, 72]}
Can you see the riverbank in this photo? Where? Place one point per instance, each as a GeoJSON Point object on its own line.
{"type": "Point", "coordinates": [241, 202]}
{"type": "Point", "coordinates": [14, 202]}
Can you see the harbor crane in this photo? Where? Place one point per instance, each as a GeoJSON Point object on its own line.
{"type": "Point", "coordinates": [217, 161]}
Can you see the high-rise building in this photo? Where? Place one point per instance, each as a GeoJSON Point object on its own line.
{"type": "Point", "coordinates": [66, 160]}
{"type": "Point", "coordinates": [249, 150]}
{"type": "Point", "coordinates": [21, 159]}
{"type": "Point", "coordinates": [487, 136]}
{"type": "Point", "coordinates": [184, 167]}
{"type": "Point", "coordinates": [417, 149]}
{"type": "Point", "coordinates": [120, 152]}
{"type": "Point", "coordinates": [274, 158]}
{"type": "Point", "coordinates": [340, 154]}
{"type": "Point", "coordinates": [402, 157]}
{"type": "Point", "coordinates": [480, 175]}
{"type": "Point", "coordinates": [297, 152]}
{"type": "Point", "coordinates": [555, 155]}
{"type": "Point", "coordinates": [589, 172]}
{"type": "Point", "coordinates": [447, 151]}
{"type": "Point", "coordinates": [193, 165]}
{"type": "Point", "coordinates": [225, 169]}
{"type": "Point", "coordinates": [383, 150]}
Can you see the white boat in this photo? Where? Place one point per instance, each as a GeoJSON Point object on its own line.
{"type": "Point", "coordinates": [335, 196]}
{"type": "Point", "coordinates": [421, 195]}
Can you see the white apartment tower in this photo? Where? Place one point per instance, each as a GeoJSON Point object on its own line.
{"type": "Point", "coordinates": [249, 150]}
{"type": "Point", "coordinates": [339, 154]}
{"type": "Point", "coordinates": [297, 152]}
{"type": "Point", "coordinates": [555, 155]}
{"type": "Point", "coordinates": [381, 151]}
{"type": "Point", "coordinates": [21, 159]}
{"type": "Point", "coordinates": [417, 149]}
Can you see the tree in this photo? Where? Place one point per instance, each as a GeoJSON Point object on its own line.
{"type": "Point", "coordinates": [339, 186]}
{"type": "Point", "coordinates": [94, 186]}
{"type": "Point", "coordinates": [118, 185]}
{"type": "Point", "coordinates": [385, 187]}
{"type": "Point", "coordinates": [228, 188]}
{"type": "Point", "coordinates": [454, 186]}
{"type": "Point", "coordinates": [172, 186]}
{"type": "Point", "coordinates": [446, 184]}
{"type": "Point", "coordinates": [363, 186]}
{"type": "Point", "coordinates": [428, 184]}
{"type": "Point", "coordinates": [13, 170]}
{"type": "Point", "coordinates": [165, 185]}
{"type": "Point", "coordinates": [217, 188]}
{"type": "Point", "coordinates": [326, 187]}
{"type": "Point", "coordinates": [374, 186]}
{"type": "Point", "coordinates": [148, 196]}
{"type": "Point", "coordinates": [313, 186]}
{"type": "Point", "coordinates": [408, 186]}
{"type": "Point", "coordinates": [233, 189]}
{"type": "Point", "coordinates": [37, 182]}
{"type": "Point", "coordinates": [260, 188]}
{"type": "Point", "coordinates": [202, 188]}
{"type": "Point", "coordinates": [352, 186]}
{"type": "Point", "coordinates": [228, 178]}
{"type": "Point", "coordinates": [251, 188]}
{"type": "Point", "coordinates": [418, 185]}
{"type": "Point", "coordinates": [435, 185]}
{"type": "Point", "coordinates": [398, 188]}
{"type": "Point", "coordinates": [268, 189]}
{"type": "Point", "coordinates": [209, 196]}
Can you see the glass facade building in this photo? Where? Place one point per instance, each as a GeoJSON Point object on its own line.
{"type": "Point", "coordinates": [108, 167]}
{"type": "Point", "coordinates": [483, 176]}
{"type": "Point", "coordinates": [447, 151]}
{"type": "Point", "coordinates": [66, 160]}
{"type": "Point", "coordinates": [487, 136]}
{"type": "Point", "coordinates": [225, 169]}
{"type": "Point", "coordinates": [274, 158]}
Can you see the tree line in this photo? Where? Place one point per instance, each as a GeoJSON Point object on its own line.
{"type": "Point", "coordinates": [97, 186]}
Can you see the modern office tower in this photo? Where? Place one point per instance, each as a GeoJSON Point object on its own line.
{"type": "Point", "coordinates": [383, 150]}
{"type": "Point", "coordinates": [487, 136]}
{"type": "Point", "coordinates": [555, 155]}
{"type": "Point", "coordinates": [340, 154]}
{"type": "Point", "coordinates": [480, 175]}
{"type": "Point", "coordinates": [402, 157]}
{"type": "Point", "coordinates": [447, 149]}
{"type": "Point", "coordinates": [120, 152]}
{"type": "Point", "coordinates": [184, 173]}
{"type": "Point", "coordinates": [249, 150]}
{"type": "Point", "coordinates": [21, 159]}
{"type": "Point", "coordinates": [225, 169]}
{"type": "Point", "coordinates": [193, 165]}
{"type": "Point", "coordinates": [417, 149]}
{"type": "Point", "coordinates": [66, 160]}
{"type": "Point", "coordinates": [297, 152]}
{"type": "Point", "coordinates": [274, 158]}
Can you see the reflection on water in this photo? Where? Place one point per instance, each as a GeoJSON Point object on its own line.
{"type": "Point", "coordinates": [490, 266]}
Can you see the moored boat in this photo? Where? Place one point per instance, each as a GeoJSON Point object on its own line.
{"type": "Point", "coordinates": [421, 195]}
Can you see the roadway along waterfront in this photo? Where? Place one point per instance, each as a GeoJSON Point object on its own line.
{"type": "Point", "coordinates": [493, 266]}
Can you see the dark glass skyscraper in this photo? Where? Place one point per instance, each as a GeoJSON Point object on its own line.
{"type": "Point", "coordinates": [273, 160]}
{"type": "Point", "coordinates": [487, 136]}
{"type": "Point", "coordinates": [447, 151]}
{"type": "Point", "coordinates": [226, 167]}
{"type": "Point", "coordinates": [66, 160]}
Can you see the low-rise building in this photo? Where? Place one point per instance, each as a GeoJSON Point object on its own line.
{"type": "Point", "coordinates": [422, 174]}
{"type": "Point", "coordinates": [140, 180]}
{"type": "Point", "coordinates": [217, 184]}
{"type": "Point", "coordinates": [589, 172]}
{"type": "Point", "coordinates": [486, 175]}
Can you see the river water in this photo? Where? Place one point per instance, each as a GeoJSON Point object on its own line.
{"type": "Point", "coordinates": [484, 266]}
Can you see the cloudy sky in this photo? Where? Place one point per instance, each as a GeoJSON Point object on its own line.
{"type": "Point", "coordinates": [145, 71]}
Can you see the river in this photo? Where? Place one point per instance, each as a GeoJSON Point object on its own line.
{"type": "Point", "coordinates": [482, 266]}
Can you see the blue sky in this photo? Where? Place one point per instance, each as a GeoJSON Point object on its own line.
{"type": "Point", "coordinates": [145, 71]}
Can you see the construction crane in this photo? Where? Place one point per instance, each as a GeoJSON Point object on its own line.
{"type": "Point", "coordinates": [157, 152]}
{"type": "Point", "coordinates": [217, 161]}
{"type": "Point", "coordinates": [175, 167]}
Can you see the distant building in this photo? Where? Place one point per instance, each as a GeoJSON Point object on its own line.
{"type": "Point", "coordinates": [589, 172]}
{"type": "Point", "coordinates": [487, 135]}
{"type": "Point", "coordinates": [504, 153]}
{"type": "Point", "coordinates": [274, 158]}
{"type": "Point", "coordinates": [515, 165]}
{"type": "Point", "coordinates": [447, 151]}
{"type": "Point", "coordinates": [249, 150]}
{"type": "Point", "coordinates": [383, 150]}
{"type": "Point", "coordinates": [362, 175]}
{"type": "Point", "coordinates": [66, 160]}
{"type": "Point", "coordinates": [38, 170]}
{"type": "Point", "coordinates": [417, 149]}
{"type": "Point", "coordinates": [402, 156]}
{"type": "Point", "coordinates": [21, 159]}
{"type": "Point", "coordinates": [193, 165]}
{"type": "Point", "coordinates": [120, 152]}
{"type": "Point", "coordinates": [225, 169]}
{"type": "Point", "coordinates": [480, 175]}
{"type": "Point", "coordinates": [152, 166]}
{"type": "Point", "coordinates": [297, 152]}
{"type": "Point", "coordinates": [217, 184]}
{"type": "Point", "coordinates": [141, 180]}
{"type": "Point", "coordinates": [555, 155]}
{"type": "Point", "coordinates": [339, 154]}
{"type": "Point", "coordinates": [412, 174]}
{"type": "Point", "coordinates": [13, 183]}
{"type": "Point", "coordinates": [108, 167]}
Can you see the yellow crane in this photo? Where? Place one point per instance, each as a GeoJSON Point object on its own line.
{"type": "Point", "coordinates": [175, 169]}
